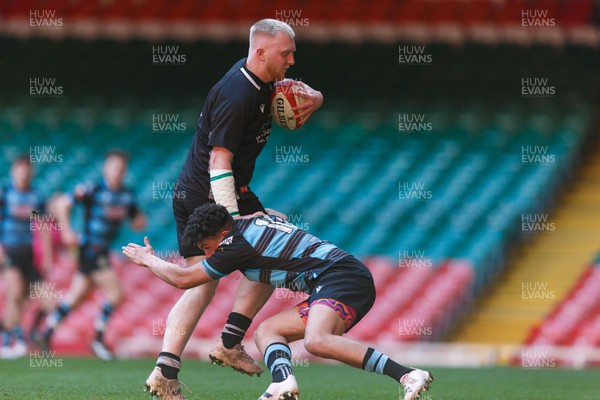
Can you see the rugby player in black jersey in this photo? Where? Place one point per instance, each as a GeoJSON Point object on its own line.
{"type": "Point", "coordinates": [269, 250]}
{"type": "Point", "coordinates": [232, 130]}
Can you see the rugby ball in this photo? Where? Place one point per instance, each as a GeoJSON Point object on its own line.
{"type": "Point", "coordinates": [284, 98]}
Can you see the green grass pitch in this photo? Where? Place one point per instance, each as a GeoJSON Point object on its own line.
{"type": "Point", "coordinates": [75, 378]}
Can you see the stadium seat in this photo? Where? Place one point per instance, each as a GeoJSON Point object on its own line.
{"type": "Point", "coordinates": [575, 320]}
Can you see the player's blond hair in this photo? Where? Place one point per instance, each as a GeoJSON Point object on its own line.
{"type": "Point", "coordinates": [270, 27]}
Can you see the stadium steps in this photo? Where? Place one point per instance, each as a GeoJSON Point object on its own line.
{"type": "Point", "coordinates": [545, 271]}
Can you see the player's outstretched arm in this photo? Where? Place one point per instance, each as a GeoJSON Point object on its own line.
{"type": "Point", "coordinates": [139, 222]}
{"type": "Point", "coordinates": [173, 274]}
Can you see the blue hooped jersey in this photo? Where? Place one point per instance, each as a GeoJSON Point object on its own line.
{"type": "Point", "coordinates": [105, 210]}
{"type": "Point", "coordinates": [269, 250]}
{"type": "Point", "coordinates": [16, 209]}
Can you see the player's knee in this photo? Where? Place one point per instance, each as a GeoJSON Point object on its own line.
{"type": "Point", "coordinates": [16, 293]}
{"type": "Point", "coordinates": [316, 345]}
{"type": "Point", "coordinates": [115, 295]}
{"type": "Point", "coordinates": [118, 298]}
{"type": "Point", "coordinates": [259, 333]}
{"type": "Point", "coordinates": [265, 329]}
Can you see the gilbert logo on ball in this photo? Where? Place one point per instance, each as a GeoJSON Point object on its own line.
{"type": "Point", "coordinates": [284, 98]}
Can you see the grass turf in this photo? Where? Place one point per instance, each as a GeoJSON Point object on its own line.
{"type": "Point", "coordinates": [75, 378]}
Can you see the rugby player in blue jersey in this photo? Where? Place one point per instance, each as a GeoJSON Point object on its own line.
{"type": "Point", "coordinates": [269, 250]}
{"type": "Point", "coordinates": [107, 205]}
{"type": "Point", "coordinates": [20, 205]}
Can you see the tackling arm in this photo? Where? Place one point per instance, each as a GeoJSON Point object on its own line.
{"type": "Point", "coordinates": [173, 274]}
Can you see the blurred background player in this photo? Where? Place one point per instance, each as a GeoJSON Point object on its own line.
{"type": "Point", "coordinates": [20, 204]}
{"type": "Point", "coordinates": [106, 205]}
{"type": "Point", "coordinates": [47, 235]}
{"type": "Point", "coordinates": [232, 131]}
{"type": "Point", "coordinates": [270, 250]}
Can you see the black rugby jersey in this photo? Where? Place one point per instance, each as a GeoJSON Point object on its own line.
{"type": "Point", "coordinates": [237, 116]}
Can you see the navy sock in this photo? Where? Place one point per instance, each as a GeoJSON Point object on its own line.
{"type": "Point", "coordinates": [102, 319]}
{"type": "Point", "coordinates": [5, 338]}
{"type": "Point", "coordinates": [39, 316]}
{"type": "Point", "coordinates": [55, 318]}
{"type": "Point", "coordinates": [169, 364]}
{"type": "Point", "coordinates": [235, 329]}
{"type": "Point", "coordinates": [278, 358]}
{"type": "Point", "coordinates": [377, 362]}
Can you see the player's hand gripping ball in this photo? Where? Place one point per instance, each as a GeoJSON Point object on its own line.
{"type": "Point", "coordinates": [284, 98]}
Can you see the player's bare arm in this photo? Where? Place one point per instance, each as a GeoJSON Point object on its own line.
{"type": "Point", "coordinates": [220, 158]}
{"type": "Point", "coordinates": [173, 274]}
{"type": "Point", "coordinates": [313, 99]}
{"type": "Point", "coordinates": [63, 205]}
{"type": "Point", "coordinates": [47, 251]}
{"type": "Point", "coordinates": [139, 222]}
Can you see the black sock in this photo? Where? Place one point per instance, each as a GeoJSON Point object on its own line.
{"type": "Point", "coordinates": [377, 362]}
{"type": "Point", "coordinates": [169, 364]}
{"type": "Point", "coordinates": [235, 329]}
{"type": "Point", "coordinates": [395, 370]}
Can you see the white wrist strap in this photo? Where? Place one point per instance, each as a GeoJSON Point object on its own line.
{"type": "Point", "coordinates": [223, 189]}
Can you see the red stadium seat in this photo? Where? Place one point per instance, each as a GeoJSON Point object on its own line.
{"type": "Point", "coordinates": [464, 13]}
{"type": "Point", "coordinates": [580, 13]}
{"type": "Point", "coordinates": [19, 9]}
{"type": "Point", "coordinates": [575, 319]}
{"type": "Point", "coordinates": [477, 13]}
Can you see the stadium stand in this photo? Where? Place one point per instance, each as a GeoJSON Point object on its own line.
{"type": "Point", "coordinates": [543, 273]}
{"type": "Point", "coordinates": [406, 12]}
{"type": "Point", "coordinates": [478, 192]}
{"type": "Point", "coordinates": [573, 323]}
{"type": "Point", "coordinates": [431, 256]}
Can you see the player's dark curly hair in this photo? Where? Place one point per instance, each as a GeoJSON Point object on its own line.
{"type": "Point", "coordinates": [206, 221]}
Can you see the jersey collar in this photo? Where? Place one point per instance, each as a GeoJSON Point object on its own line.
{"type": "Point", "coordinates": [254, 80]}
